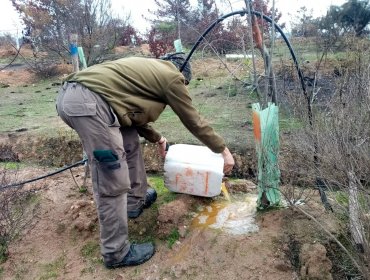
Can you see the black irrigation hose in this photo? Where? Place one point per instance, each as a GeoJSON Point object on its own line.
{"type": "Point", "coordinates": [242, 13]}
{"type": "Point", "coordinates": [2, 188]}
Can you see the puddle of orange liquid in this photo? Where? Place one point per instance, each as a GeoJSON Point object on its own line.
{"type": "Point", "coordinates": [208, 215]}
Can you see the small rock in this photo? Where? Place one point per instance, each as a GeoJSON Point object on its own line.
{"type": "Point", "coordinates": [79, 225]}
{"type": "Point", "coordinates": [182, 231]}
{"type": "Point", "coordinates": [282, 266]}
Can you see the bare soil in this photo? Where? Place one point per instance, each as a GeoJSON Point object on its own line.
{"type": "Point", "coordinates": [62, 242]}
{"type": "Point", "coordinates": [17, 77]}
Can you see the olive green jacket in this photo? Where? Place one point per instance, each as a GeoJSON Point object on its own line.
{"type": "Point", "coordinates": [138, 89]}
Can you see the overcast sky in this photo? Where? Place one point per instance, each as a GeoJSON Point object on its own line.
{"type": "Point", "coordinates": [10, 23]}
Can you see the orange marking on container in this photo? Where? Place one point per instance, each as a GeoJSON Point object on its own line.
{"type": "Point", "coordinates": [206, 183]}
{"type": "Point", "coordinates": [189, 172]}
{"type": "Point", "coordinates": [256, 126]}
{"type": "Point", "coordinates": [177, 178]}
{"type": "Point", "coordinates": [180, 183]}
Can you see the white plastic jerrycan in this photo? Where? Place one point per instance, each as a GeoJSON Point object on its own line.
{"type": "Point", "coordinates": [194, 170]}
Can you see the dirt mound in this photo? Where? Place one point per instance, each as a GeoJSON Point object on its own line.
{"type": "Point", "coordinates": [7, 154]}
{"type": "Point", "coordinates": [81, 215]}
{"type": "Point", "coordinates": [135, 50]}
{"type": "Point", "coordinates": [315, 263]}
{"type": "Point", "coordinates": [62, 150]}
{"type": "Point", "coordinates": [17, 77]}
{"type": "Point", "coordinates": [8, 51]}
{"type": "Point", "coordinates": [174, 215]}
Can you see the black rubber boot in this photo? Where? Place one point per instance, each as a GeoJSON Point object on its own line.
{"type": "Point", "coordinates": [138, 254]}
{"type": "Point", "coordinates": [150, 198]}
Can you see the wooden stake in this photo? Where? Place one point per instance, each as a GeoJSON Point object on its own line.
{"type": "Point", "coordinates": [74, 51]}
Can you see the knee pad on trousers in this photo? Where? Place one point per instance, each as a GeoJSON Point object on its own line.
{"type": "Point", "coordinates": [110, 174]}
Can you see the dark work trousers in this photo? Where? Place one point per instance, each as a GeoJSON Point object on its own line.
{"type": "Point", "coordinates": [118, 185]}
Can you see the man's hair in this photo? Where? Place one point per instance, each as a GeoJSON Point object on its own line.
{"type": "Point", "coordinates": [178, 59]}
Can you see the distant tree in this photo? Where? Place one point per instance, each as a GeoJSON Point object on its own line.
{"type": "Point", "coordinates": [168, 25]}
{"type": "Point", "coordinates": [328, 26]}
{"type": "Point", "coordinates": [234, 36]}
{"type": "Point", "coordinates": [188, 24]}
{"type": "Point", "coordinates": [52, 21]}
{"type": "Point", "coordinates": [203, 15]}
{"type": "Point", "coordinates": [129, 36]}
{"type": "Point", "coordinates": [304, 25]}
{"type": "Point", "coordinates": [172, 11]}
{"type": "Point", "coordinates": [160, 38]}
{"type": "Point", "coordinates": [353, 15]}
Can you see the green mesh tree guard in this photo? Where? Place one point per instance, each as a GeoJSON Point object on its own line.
{"type": "Point", "coordinates": [266, 134]}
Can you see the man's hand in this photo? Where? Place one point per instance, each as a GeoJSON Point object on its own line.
{"type": "Point", "coordinates": [162, 147]}
{"type": "Point", "coordinates": [228, 161]}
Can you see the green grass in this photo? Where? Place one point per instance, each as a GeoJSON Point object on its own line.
{"type": "Point", "coordinates": [222, 101]}
{"type": "Point", "coordinates": [194, 84]}
{"type": "Point", "coordinates": [289, 124]}
{"type": "Point", "coordinates": [144, 229]}
{"type": "Point", "coordinates": [90, 250]}
{"type": "Point", "coordinates": [226, 115]}
{"type": "Point", "coordinates": [54, 269]}
{"type": "Point", "coordinates": [82, 189]}
{"type": "Point", "coordinates": [27, 107]}
{"type": "Point", "coordinates": [338, 55]}
{"type": "Point", "coordinates": [164, 194]}
{"type": "Point", "coordinates": [91, 253]}
{"type": "Point", "coordinates": [9, 59]}
{"type": "Point", "coordinates": [33, 199]}
{"type": "Point", "coordinates": [9, 165]}
{"type": "Point", "coordinates": [342, 198]}
{"type": "Point", "coordinates": [3, 251]}
{"type": "Point", "coordinates": [172, 238]}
